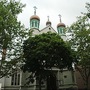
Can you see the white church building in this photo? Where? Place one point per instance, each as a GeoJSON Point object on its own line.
{"type": "Point", "coordinates": [65, 79]}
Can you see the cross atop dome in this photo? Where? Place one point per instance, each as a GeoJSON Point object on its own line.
{"type": "Point", "coordinates": [48, 22]}
{"type": "Point", "coordinates": [48, 18]}
{"type": "Point", "coordinates": [60, 24]}
{"type": "Point", "coordinates": [35, 10]}
{"type": "Point", "coordinates": [59, 17]}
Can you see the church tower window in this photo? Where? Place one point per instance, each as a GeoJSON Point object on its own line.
{"type": "Point", "coordinates": [35, 24]}
{"type": "Point", "coordinates": [32, 24]}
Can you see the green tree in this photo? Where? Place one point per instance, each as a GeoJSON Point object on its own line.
{"type": "Point", "coordinates": [12, 34]}
{"type": "Point", "coordinates": [81, 43]}
{"type": "Point", "coordinates": [42, 53]}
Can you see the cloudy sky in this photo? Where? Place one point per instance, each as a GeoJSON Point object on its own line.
{"type": "Point", "coordinates": [69, 10]}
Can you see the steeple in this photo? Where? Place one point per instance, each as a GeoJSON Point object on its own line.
{"type": "Point", "coordinates": [35, 10]}
{"type": "Point", "coordinates": [34, 20]}
{"type": "Point", "coordinates": [48, 22]}
{"type": "Point", "coordinates": [48, 18]}
{"type": "Point", "coordinates": [60, 17]}
{"type": "Point", "coordinates": [60, 26]}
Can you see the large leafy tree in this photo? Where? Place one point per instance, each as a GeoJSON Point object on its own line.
{"type": "Point", "coordinates": [43, 52]}
{"type": "Point", "coordinates": [81, 43]}
{"type": "Point", "coordinates": [12, 34]}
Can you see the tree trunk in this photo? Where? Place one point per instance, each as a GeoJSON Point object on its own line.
{"type": "Point", "coordinates": [86, 88]}
{"type": "Point", "coordinates": [3, 58]}
{"type": "Point", "coordinates": [39, 82]}
{"type": "Point", "coordinates": [3, 54]}
{"type": "Point", "coordinates": [48, 83]}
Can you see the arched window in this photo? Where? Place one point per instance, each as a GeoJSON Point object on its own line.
{"type": "Point", "coordinates": [32, 24]}
{"type": "Point", "coordinates": [35, 23]}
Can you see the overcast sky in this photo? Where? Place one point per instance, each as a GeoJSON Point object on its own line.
{"type": "Point", "coordinates": [69, 10]}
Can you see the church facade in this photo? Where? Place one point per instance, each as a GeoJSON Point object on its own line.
{"type": "Point", "coordinates": [65, 80]}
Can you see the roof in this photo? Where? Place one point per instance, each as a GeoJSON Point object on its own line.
{"type": "Point", "coordinates": [61, 24]}
{"type": "Point", "coordinates": [47, 29]}
{"type": "Point", "coordinates": [34, 17]}
{"type": "Point", "coordinates": [48, 23]}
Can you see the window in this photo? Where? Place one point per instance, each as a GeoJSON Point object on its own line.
{"type": "Point", "coordinates": [35, 24]}
{"type": "Point", "coordinates": [60, 82]}
{"type": "Point", "coordinates": [38, 25]}
{"type": "Point", "coordinates": [65, 76]}
{"type": "Point", "coordinates": [32, 24]}
{"type": "Point", "coordinates": [61, 30]}
{"type": "Point", "coordinates": [49, 28]}
{"type": "Point", "coordinates": [15, 80]}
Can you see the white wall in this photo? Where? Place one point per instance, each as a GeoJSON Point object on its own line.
{"type": "Point", "coordinates": [0, 86]}
{"type": "Point", "coordinates": [8, 81]}
{"type": "Point", "coordinates": [2, 81]}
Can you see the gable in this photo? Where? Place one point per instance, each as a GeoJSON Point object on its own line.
{"type": "Point", "coordinates": [44, 30]}
{"type": "Point", "coordinates": [47, 29]}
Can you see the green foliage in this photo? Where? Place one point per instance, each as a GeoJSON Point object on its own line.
{"type": "Point", "coordinates": [45, 51]}
{"type": "Point", "coordinates": [81, 42]}
{"type": "Point", "coordinates": [88, 9]}
{"type": "Point", "coordinates": [82, 39]}
{"type": "Point", "coordinates": [12, 33]}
